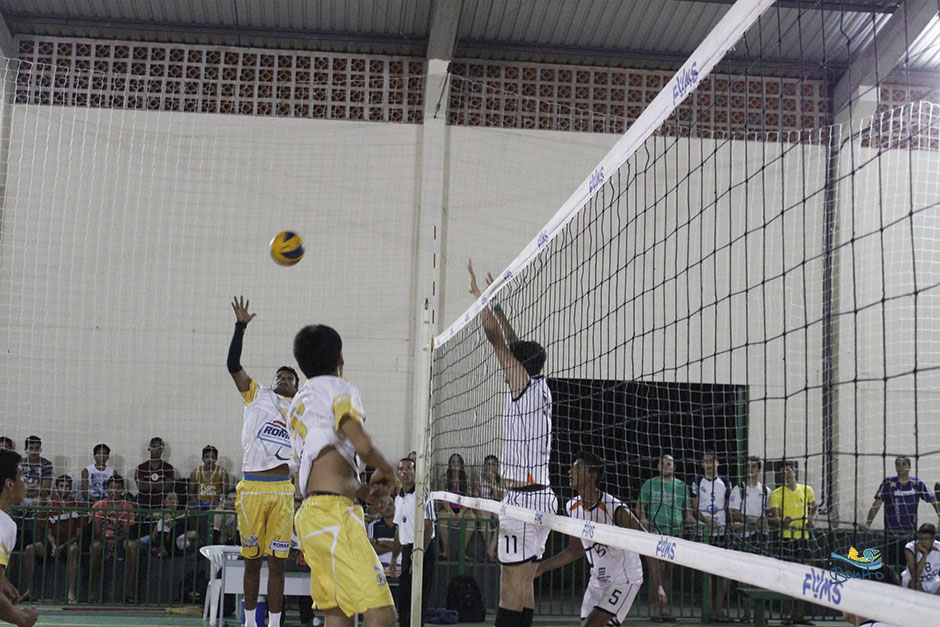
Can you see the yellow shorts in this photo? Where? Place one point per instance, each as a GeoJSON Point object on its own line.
{"type": "Point", "coordinates": [345, 573]}
{"type": "Point", "coordinates": [265, 516]}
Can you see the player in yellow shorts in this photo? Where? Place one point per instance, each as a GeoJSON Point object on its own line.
{"type": "Point", "coordinates": [264, 498]}
{"type": "Point", "coordinates": [327, 436]}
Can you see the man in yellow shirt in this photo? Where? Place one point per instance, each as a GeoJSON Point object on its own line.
{"type": "Point", "coordinates": [793, 508]}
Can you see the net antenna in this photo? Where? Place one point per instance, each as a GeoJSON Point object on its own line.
{"type": "Point", "coordinates": [729, 278]}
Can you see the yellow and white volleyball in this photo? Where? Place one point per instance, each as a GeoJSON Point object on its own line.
{"type": "Point", "coordinates": [287, 248]}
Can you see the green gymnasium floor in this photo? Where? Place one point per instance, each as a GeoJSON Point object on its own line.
{"type": "Point", "coordinates": [106, 617]}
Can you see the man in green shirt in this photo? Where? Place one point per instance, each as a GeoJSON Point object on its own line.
{"type": "Point", "coordinates": [664, 508]}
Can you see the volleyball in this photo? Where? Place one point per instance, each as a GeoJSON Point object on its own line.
{"type": "Point", "coordinates": [287, 248]}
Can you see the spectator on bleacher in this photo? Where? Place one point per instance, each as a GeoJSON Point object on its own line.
{"type": "Point", "coordinates": [225, 525]}
{"type": "Point", "coordinates": [456, 480]}
{"type": "Point", "coordinates": [37, 472]}
{"type": "Point", "coordinates": [208, 481]}
{"type": "Point", "coordinates": [923, 561]}
{"type": "Point", "coordinates": [710, 492]}
{"type": "Point", "coordinates": [405, 538]}
{"type": "Point", "coordinates": [7, 443]}
{"type": "Point", "coordinates": [154, 477]}
{"type": "Point", "coordinates": [900, 495]}
{"type": "Point", "coordinates": [491, 487]}
{"type": "Point", "coordinates": [114, 535]}
{"type": "Point", "coordinates": [664, 507]}
{"type": "Point", "coordinates": [382, 537]}
{"type": "Point", "coordinates": [793, 508]}
{"type": "Point", "coordinates": [64, 535]}
{"type": "Point", "coordinates": [170, 534]}
{"type": "Point", "coordinates": [748, 505]}
{"type": "Point", "coordinates": [95, 475]}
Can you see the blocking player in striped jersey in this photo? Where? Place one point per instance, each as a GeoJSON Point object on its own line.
{"type": "Point", "coordinates": [527, 444]}
{"type": "Point", "coordinates": [264, 501]}
{"type": "Point", "coordinates": [616, 574]}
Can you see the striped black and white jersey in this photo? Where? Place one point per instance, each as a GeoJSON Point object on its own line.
{"type": "Point", "coordinates": [527, 434]}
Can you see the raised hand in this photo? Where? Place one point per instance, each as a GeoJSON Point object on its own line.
{"type": "Point", "coordinates": [474, 288]}
{"type": "Point", "coordinates": [489, 279]}
{"type": "Point", "coordinates": [240, 305]}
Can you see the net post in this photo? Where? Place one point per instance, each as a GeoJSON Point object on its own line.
{"type": "Point", "coordinates": [420, 437]}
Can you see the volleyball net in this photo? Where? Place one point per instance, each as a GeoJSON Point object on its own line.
{"type": "Point", "coordinates": [751, 272]}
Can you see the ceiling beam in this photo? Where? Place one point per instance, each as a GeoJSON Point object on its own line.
{"type": "Point", "coordinates": [888, 48]}
{"type": "Point", "coordinates": [831, 5]}
{"type": "Point", "coordinates": [442, 36]}
{"type": "Point", "coordinates": [120, 29]}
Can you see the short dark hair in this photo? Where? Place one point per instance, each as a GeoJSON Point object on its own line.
{"type": "Point", "coordinates": [101, 447]}
{"type": "Point", "coordinates": [710, 453]}
{"type": "Point", "coordinates": [32, 439]}
{"type": "Point", "coordinates": [115, 478]}
{"type": "Point", "coordinates": [157, 441]}
{"type": "Point", "coordinates": [290, 370]}
{"type": "Point", "coordinates": [409, 460]}
{"type": "Point", "coordinates": [530, 354]}
{"type": "Point", "coordinates": [64, 478]}
{"type": "Point", "coordinates": [317, 348]}
{"type": "Point", "coordinates": [755, 458]}
{"type": "Point", "coordinates": [208, 448]}
{"type": "Point", "coordinates": [927, 529]}
{"type": "Point", "coordinates": [7, 442]}
{"type": "Point", "coordinates": [9, 466]}
{"type": "Point", "coordinates": [904, 458]}
{"type": "Point", "coordinates": [491, 458]}
{"type": "Point", "coordinates": [594, 463]}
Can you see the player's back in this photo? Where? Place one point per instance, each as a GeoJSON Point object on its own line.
{"type": "Point", "coordinates": [527, 434]}
{"type": "Point", "coordinates": [315, 419]}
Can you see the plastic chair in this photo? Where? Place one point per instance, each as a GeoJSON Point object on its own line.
{"type": "Point", "coordinates": [215, 553]}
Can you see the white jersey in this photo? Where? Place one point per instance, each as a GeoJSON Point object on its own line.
{"type": "Point", "coordinates": [405, 515]}
{"type": "Point", "coordinates": [750, 502]}
{"type": "Point", "coordinates": [314, 422]}
{"type": "Point", "coordinates": [265, 441]}
{"type": "Point", "coordinates": [7, 538]}
{"type": "Point", "coordinates": [96, 481]}
{"type": "Point", "coordinates": [931, 572]}
{"type": "Point", "coordinates": [712, 497]}
{"type": "Point", "coordinates": [527, 434]}
{"type": "Point", "coordinates": [608, 564]}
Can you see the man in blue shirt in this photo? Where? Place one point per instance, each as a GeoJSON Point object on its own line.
{"type": "Point", "coordinates": [900, 496]}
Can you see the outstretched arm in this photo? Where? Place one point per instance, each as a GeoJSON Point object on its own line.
{"type": "Point", "coordinates": [242, 318]}
{"type": "Point", "coordinates": [572, 552]}
{"type": "Point", "coordinates": [501, 318]}
{"type": "Point", "coordinates": [516, 375]}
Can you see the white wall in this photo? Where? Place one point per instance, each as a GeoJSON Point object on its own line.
{"type": "Point", "coordinates": [126, 235]}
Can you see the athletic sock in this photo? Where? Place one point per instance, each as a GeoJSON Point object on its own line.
{"type": "Point", "coordinates": [250, 619]}
{"type": "Point", "coordinates": [274, 619]}
{"type": "Point", "coordinates": [508, 618]}
{"type": "Point", "coordinates": [526, 617]}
